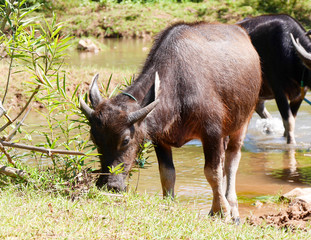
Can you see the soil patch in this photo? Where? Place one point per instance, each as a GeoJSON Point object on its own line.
{"type": "Point", "coordinates": [296, 215]}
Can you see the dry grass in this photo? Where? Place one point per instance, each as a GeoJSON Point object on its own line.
{"type": "Point", "coordinates": [20, 87]}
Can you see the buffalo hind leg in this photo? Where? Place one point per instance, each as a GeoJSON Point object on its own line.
{"type": "Point", "coordinates": [166, 168]}
{"type": "Point", "coordinates": [263, 113]}
{"type": "Point", "coordinates": [233, 156]}
{"type": "Point", "coordinates": [294, 106]}
{"type": "Point", "coordinates": [287, 116]}
{"type": "Point", "coordinates": [214, 153]}
{"type": "Point", "coordinates": [261, 110]}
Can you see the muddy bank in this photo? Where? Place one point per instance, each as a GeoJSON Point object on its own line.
{"type": "Point", "coordinates": [296, 215]}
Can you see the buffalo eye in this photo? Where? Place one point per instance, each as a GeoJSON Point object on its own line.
{"type": "Point", "coordinates": [125, 141]}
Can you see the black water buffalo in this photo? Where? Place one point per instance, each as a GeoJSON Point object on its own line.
{"type": "Point", "coordinates": [210, 79]}
{"type": "Point", "coordinates": [283, 69]}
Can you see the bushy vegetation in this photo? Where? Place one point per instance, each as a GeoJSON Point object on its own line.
{"type": "Point", "coordinates": [36, 47]}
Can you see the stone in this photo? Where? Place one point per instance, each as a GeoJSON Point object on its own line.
{"type": "Point", "coordinates": [87, 45]}
{"type": "Point", "coordinates": [303, 194]}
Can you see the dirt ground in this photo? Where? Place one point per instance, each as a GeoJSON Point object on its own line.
{"type": "Point", "coordinates": [294, 215]}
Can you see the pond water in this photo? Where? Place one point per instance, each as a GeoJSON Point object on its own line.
{"type": "Point", "coordinates": [126, 54]}
{"type": "Point", "coordinates": [268, 166]}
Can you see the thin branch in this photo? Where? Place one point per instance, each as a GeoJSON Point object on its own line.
{"type": "Point", "coordinates": [25, 50]}
{"type": "Point", "coordinates": [5, 19]}
{"type": "Point", "coordinates": [50, 152]}
{"type": "Point", "coordinates": [60, 65]}
{"type": "Point", "coordinates": [2, 110]}
{"type": "Point", "coordinates": [25, 107]}
{"type": "Point", "coordinates": [12, 172]}
{"type": "Point", "coordinates": [8, 117]}
{"type": "Point", "coordinates": [30, 99]}
{"type": "Point", "coordinates": [6, 154]}
{"type": "Point", "coordinates": [9, 138]}
{"type": "Point", "coordinates": [8, 78]}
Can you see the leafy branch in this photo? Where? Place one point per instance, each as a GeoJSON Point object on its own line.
{"type": "Point", "coordinates": [37, 48]}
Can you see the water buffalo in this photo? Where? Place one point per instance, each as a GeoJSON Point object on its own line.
{"type": "Point", "coordinates": [210, 79]}
{"type": "Point", "coordinates": [283, 71]}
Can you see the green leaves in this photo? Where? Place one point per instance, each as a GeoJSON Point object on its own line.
{"type": "Point", "coordinates": [37, 46]}
{"type": "Point", "coordinates": [142, 157]}
{"type": "Point", "coordinates": [117, 169]}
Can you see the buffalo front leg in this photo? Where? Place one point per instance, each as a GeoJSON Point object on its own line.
{"type": "Point", "coordinates": [166, 168]}
{"type": "Point", "coordinates": [233, 156]}
{"type": "Point", "coordinates": [214, 153]}
{"type": "Point", "coordinates": [289, 125]}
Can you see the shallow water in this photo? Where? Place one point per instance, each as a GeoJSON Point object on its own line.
{"type": "Point", "coordinates": [268, 165]}
{"type": "Point", "coordinates": [126, 54]}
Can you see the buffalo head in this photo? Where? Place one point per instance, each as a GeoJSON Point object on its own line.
{"type": "Point", "coordinates": [117, 129]}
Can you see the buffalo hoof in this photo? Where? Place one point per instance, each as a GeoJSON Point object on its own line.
{"type": "Point", "coordinates": [227, 218]}
{"type": "Point", "coordinates": [100, 182]}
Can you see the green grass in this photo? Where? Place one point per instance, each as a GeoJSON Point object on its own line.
{"type": "Point", "coordinates": [30, 214]}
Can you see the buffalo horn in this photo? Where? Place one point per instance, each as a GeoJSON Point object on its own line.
{"type": "Point", "coordinates": [95, 96]}
{"type": "Point", "coordinates": [303, 54]}
{"type": "Point", "coordinates": [87, 111]}
{"type": "Point", "coordinates": [142, 113]}
{"type": "Point", "coordinates": [156, 85]}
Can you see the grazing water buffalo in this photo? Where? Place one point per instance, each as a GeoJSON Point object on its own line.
{"type": "Point", "coordinates": [210, 79]}
{"type": "Point", "coordinates": [283, 70]}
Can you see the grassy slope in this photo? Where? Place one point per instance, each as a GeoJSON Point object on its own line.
{"type": "Point", "coordinates": [145, 20]}
{"type": "Point", "coordinates": [25, 214]}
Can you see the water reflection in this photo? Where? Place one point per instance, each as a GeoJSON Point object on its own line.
{"type": "Point", "coordinates": [290, 162]}
{"type": "Point", "coordinates": [294, 171]}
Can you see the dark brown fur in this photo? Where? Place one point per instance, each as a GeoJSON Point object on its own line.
{"type": "Point", "coordinates": [209, 84]}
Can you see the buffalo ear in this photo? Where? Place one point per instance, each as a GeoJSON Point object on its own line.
{"type": "Point", "coordinates": [94, 92]}
{"type": "Point", "coordinates": [301, 51]}
{"type": "Point", "coordinates": [87, 111]}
